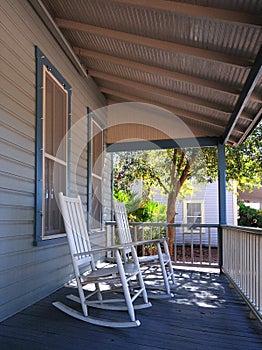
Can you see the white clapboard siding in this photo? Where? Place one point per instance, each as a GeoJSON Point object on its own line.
{"type": "Point", "coordinates": [209, 195]}
{"type": "Point", "coordinates": [29, 273]}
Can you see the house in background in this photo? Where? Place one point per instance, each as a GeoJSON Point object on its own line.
{"type": "Point", "coordinates": [202, 208]}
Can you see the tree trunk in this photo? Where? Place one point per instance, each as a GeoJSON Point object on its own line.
{"type": "Point", "coordinates": [171, 213]}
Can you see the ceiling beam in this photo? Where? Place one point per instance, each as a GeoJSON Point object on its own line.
{"type": "Point", "coordinates": [154, 43]}
{"type": "Point", "coordinates": [251, 126]}
{"type": "Point", "coordinates": [249, 86]}
{"type": "Point", "coordinates": [158, 91]}
{"type": "Point", "coordinates": [162, 144]}
{"type": "Point", "coordinates": [196, 10]}
{"type": "Point", "coordinates": [157, 71]}
{"type": "Point", "coordinates": [256, 96]}
{"type": "Point", "coordinates": [184, 115]}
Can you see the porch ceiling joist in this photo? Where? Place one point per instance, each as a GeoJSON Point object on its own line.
{"type": "Point", "coordinates": [195, 10]}
{"type": "Point", "coordinates": [164, 72]}
{"type": "Point", "coordinates": [252, 125]}
{"type": "Point", "coordinates": [158, 71]}
{"type": "Point", "coordinates": [253, 77]}
{"type": "Point", "coordinates": [155, 43]}
{"type": "Point", "coordinates": [184, 115]}
{"type": "Point", "coordinates": [157, 91]}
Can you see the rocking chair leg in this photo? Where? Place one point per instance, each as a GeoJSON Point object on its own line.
{"type": "Point", "coordinates": [125, 287]}
{"type": "Point", "coordinates": [82, 297]}
{"type": "Point", "coordinates": [163, 268]}
{"type": "Point", "coordinates": [140, 278]}
{"type": "Point", "coordinates": [171, 271]}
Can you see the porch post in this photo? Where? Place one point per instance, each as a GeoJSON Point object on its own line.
{"type": "Point", "coordinates": [222, 184]}
{"type": "Point", "coordinates": [221, 197]}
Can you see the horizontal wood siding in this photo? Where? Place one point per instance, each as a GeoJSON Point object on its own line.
{"type": "Point", "coordinates": [28, 273]}
{"type": "Point", "coordinates": [209, 194]}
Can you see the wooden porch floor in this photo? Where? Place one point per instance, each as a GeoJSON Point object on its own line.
{"type": "Point", "coordinates": [204, 314]}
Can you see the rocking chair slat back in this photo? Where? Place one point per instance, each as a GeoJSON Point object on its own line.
{"type": "Point", "coordinates": [162, 257]}
{"type": "Point", "coordinates": [74, 220]}
{"type": "Point", "coordinates": [121, 217]}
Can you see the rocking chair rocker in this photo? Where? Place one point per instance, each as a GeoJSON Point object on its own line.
{"type": "Point", "coordinates": [162, 259]}
{"type": "Point", "coordinates": [121, 275]}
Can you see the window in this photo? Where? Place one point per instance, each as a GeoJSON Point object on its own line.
{"type": "Point", "coordinates": [95, 174]}
{"type": "Point", "coordinates": [53, 110]}
{"type": "Point", "coordinates": [193, 212]}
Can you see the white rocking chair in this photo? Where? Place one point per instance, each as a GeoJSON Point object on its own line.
{"type": "Point", "coordinates": [122, 275]}
{"type": "Point", "coordinates": [161, 260]}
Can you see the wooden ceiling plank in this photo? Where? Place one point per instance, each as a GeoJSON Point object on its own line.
{"type": "Point", "coordinates": [155, 43]}
{"type": "Point", "coordinates": [178, 112]}
{"type": "Point", "coordinates": [196, 10]}
{"type": "Point", "coordinates": [157, 71]}
{"type": "Point", "coordinates": [155, 90]}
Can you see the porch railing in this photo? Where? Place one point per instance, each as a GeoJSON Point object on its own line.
{"type": "Point", "coordinates": [194, 245]}
{"type": "Point", "coordinates": [237, 250]}
{"type": "Point", "coordinates": [242, 263]}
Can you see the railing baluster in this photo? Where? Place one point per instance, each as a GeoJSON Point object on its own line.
{"type": "Point", "coordinates": [143, 238]}
{"type": "Point", "coordinates": [183, 249]}
{"type": "Point", "coordinates": [242, 250]}
{"type": "Point", "coordinates": [192, 245]}
{"type": "Point", "coordinates": [209, 247]}
{"type": "Point", "coordinates": [175, 244]}
{"type": "Point", "coordinates": [200, 247]}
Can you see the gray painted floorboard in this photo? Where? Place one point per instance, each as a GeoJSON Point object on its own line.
{"type": "Point", "coordinates": [204, 314]}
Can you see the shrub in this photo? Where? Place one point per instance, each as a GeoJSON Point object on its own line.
{"type": "Point", "coordinates": [247, 214]}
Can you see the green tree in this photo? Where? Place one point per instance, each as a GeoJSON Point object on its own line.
{"type": "Point", "coordinates": [171, 169]}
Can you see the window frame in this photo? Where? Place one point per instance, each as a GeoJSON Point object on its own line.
{"type": "Point", "coordinates": [43, 63]}
{"type": "Point", "coordinates": [185, 216]}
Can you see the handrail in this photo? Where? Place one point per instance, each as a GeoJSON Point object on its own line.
{"type": "Point", "coordinates": [162, 224]}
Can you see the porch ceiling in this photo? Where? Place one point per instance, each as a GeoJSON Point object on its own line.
{"type": "Point", "coordinates": [200, 59]}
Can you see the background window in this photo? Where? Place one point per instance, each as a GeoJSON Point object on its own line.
{"type": "Point", "coordinates": [193, 212]}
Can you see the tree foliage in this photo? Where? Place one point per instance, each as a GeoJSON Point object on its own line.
{"type": "Point", "coordinates": [169, 170]}
{"type": "Point", "coordinates": [247, 215]}
{"type": "Point", "coordinates": [162, 168]}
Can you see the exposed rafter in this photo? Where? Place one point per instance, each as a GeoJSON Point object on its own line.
{"type": "Point", "coordinates": [196, 10]}
{"type": "Point", "coordinates": [155, 43]}
{"type": "Point", "coordinates": [155, 90]}
{"type": "Point", "coordinates": [252, 125]}
{"type": "Point", "coordinates": [249, 86]}
{"type": "Point", "coordinates": [156, 70]}
{"type": "Point", "coordinates": [184, 115]}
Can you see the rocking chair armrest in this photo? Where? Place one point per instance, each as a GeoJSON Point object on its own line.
{"type": "Point", "coordinates": [121, 246]}
{"type": "Point", "coordinates": [135, 243]}
{"type": "Point", "coordinates": [150, 241]}
{"type": "Point", "coordinates": [104, 249]}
